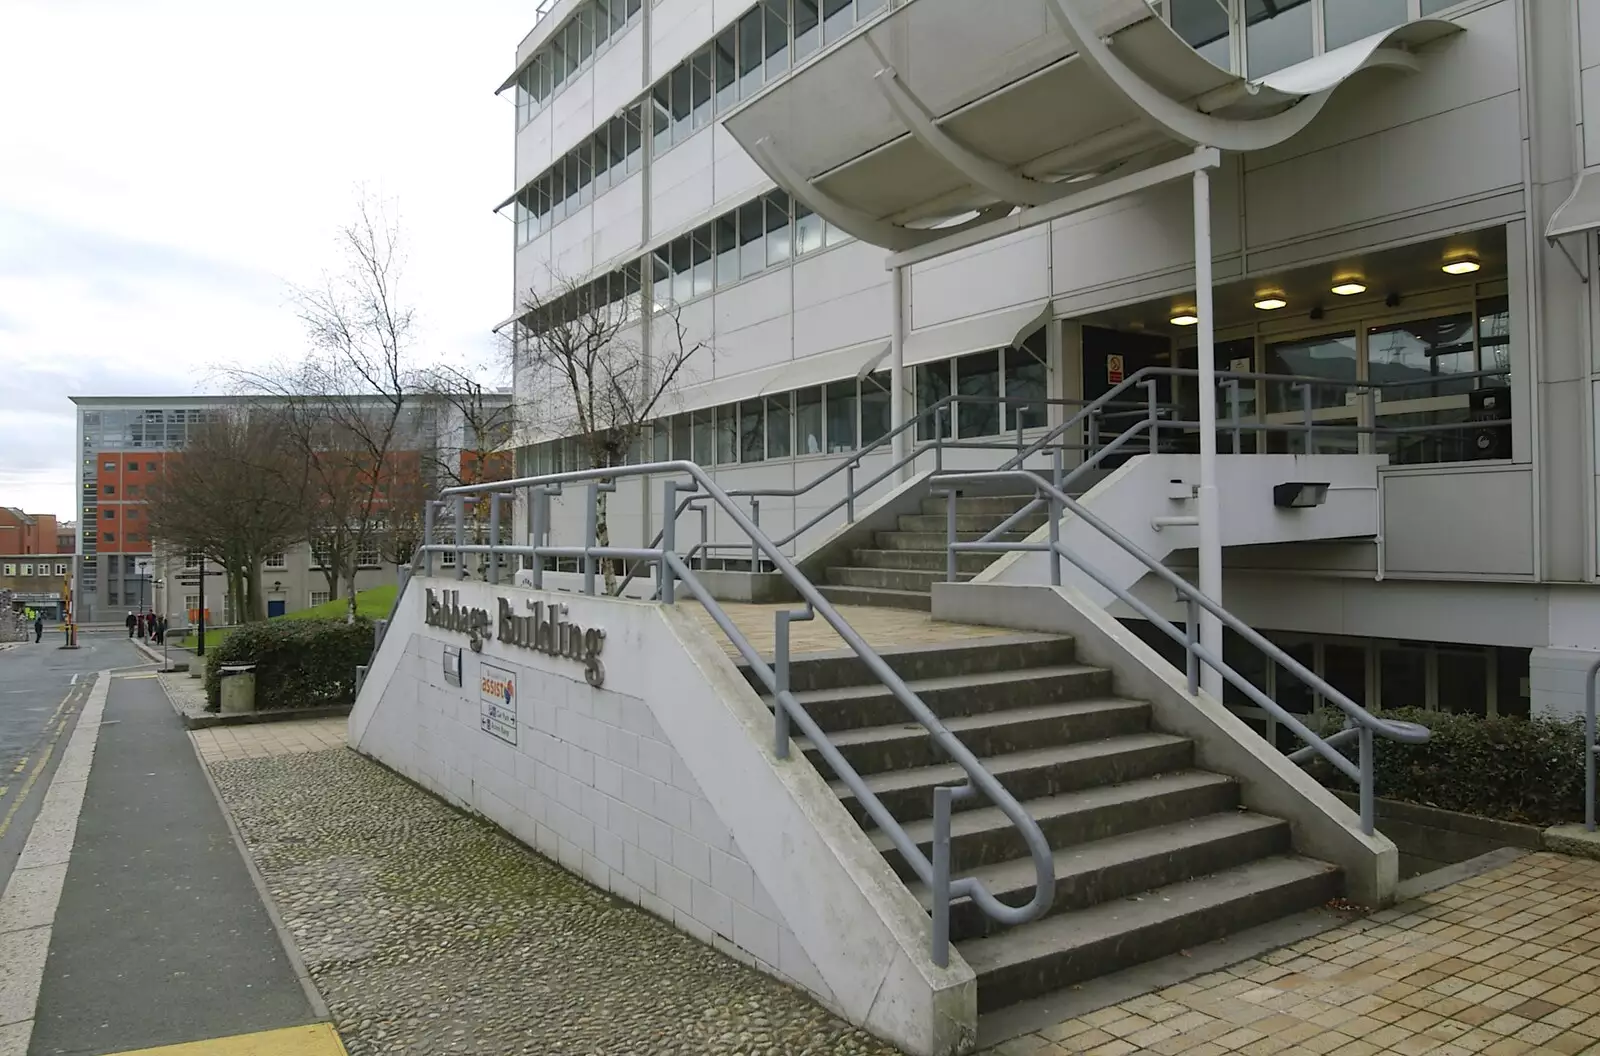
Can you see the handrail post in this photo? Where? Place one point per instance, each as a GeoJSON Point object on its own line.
{"type": "Point", "coordinates": [942, 796]}
{"type": "Point", "coordinates": [850, 492]}
{"type": "Point", "coordinates": [1155, 416]}
{"type": "Point", "coordinates": [1589, 761]}
{"type": "Point", "coordinates": [461, 535]}
{"type": "Point", "coordinates": [950, 537]}
{"type": "Point", "coordinates": [1305, 412]}
{"type": "Point", "coordinates": [537, 512]}
{"type": "Point", "coordinates": [1018, 412]}
{"type": "Point", "coordinates": [428, 508]}
{"type": "Point", "coordinates": [780, 675]}
{"type": "Point", "coordinates": [1191, 638]}
{"type": "Point", "coordinates": [705, 534]}
{"type": "Point", "coordinates": [494, 537]}
{"type": "Point", "coordinates": [1233, 416]}
{"type": "Point", "coordinates": [591, 517]}
{"type": "Point", "coordinates": [1056, 466]}
{"type": "Point", "coordinates": [1092, 440]}
{"type": "Point", "coordinates": [669, 539]}
{"type": "Point", "coordinates": [755, 549]}
{"type": "Point", "coordinates": [1055, 540]}
{"type": "Point", "coordinates": [1369, 763]}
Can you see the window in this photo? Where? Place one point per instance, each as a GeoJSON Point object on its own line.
{"type": "Point", "coordinates": [149, 467]}
{"type": "Point", "coordinates": [978, 375]}
{"type": "Point", "coordinates": [110, 467]}
{"type": "Point", "coordinates": [133, 467]}
{"type": "Point", "coordinates": [447, 559]}
{"type": "Point", "coordinates": [132, 511]}
{"type": "Point", "coordinates": [111, 593]}
{"type": "Point", "coordinates": [1346, 21]}
{"type": "Point", "coordinates": [318, 597]}
{"type": "Point", "coordinates": [876, 410]}
{"type": "Point", "coordinates": [841, 408]}
{"type": "Point", "coordinates": [109, 537]}
{"type": "Point", "coordinates": [133, 537]}
{"type": "Point", "coordinates": [368, 557]}
{"type": "Point", "coordinates": [11, 569]}
{"type": "Point", "coordinates": [1278, 33]}
{"type": "Point", "coordinates": [111, 563]}
{"type": "Point", "coordinates": [61, 569]}
{"type": "Point", "coordinates": [752, 431]}
{"type": "Point", "coordinates": [191, 559]}
{"type": "Point", "coordinates": [727, 435]}
{"type": "Point", "coordinates": [27, 568]}
{"type": "Point", "coordinates": [277, 561]}
{"type": "Point", "coordinates": [933, 385]}
{"type": "Point", "coordinates": [133, 491]}
{"type": "Point", "coordinates": [1025, 379]}
{"type": "Point", "coordinates": [808, 421]}
{"type": "Point", "coordinates": [110, 514]}
{"type": "Point", "coordinates": [111, 489]}
{"type": "Point", "coordinates": [778, 426]}
{"type": "Point", "coordinates": [705, 437]}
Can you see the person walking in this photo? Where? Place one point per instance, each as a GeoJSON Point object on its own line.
{"type": "Point", "coordinates": [132, 621]}
{"type": "Point", "coordinates": [38, 627]}
{"type": "Point", "coordinates": [161, 630]}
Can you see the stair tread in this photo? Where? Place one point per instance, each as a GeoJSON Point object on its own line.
{"type": "Point", "coordinates": [878, 689]}
{"type": "Point", "coordinates": [958, 724]}
{"type": "Point", "coordinates": [1000, 765]}
{"type": "Point", "coordinates": [845, 588]}
{"type": "Point", "coordinates": [1163, 905]}
{"type": "Point", "coordinates": [1084, 859]}
{"type": "Point", "coordinates": [984, 819]}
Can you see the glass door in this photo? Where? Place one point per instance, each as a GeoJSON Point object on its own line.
{"type": "Point", "coordinates": [1334, 407]}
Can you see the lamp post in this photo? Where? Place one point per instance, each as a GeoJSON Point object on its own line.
{"type": "Point", "coordinates": [141, 569]}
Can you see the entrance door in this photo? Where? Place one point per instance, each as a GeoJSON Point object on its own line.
{"type": "Point", "coordinates": [275, 608]}
{"type": "Point", "coordinates": [1110, 357]}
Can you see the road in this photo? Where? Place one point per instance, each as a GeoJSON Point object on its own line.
{"type": "Point", "coordinates": [41, 692]}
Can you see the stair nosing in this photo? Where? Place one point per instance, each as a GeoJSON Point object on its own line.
{"type": "Point", "coordinates": [889, 732]}
{"type": "Point", "coordinates": [868, 690]}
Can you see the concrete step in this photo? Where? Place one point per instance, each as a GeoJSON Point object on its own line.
{"type": "Point", "coordinates": [920, 580]}
{"type": "Point", "coordinates": [962, 656]}
{"type": "Point", "coordinates": [1119, 867]}
{"type": "Point", "coordinates": [985, 505]}
{"type": "Point", "coordinates": [919, 522]}
{"type": "Point", "coordinates": [926, 560]}
{"type": "Point", "coordinates": [908, 794]}
{"type": "Point", "coordinates": [1068, 948]}
{"type": "Point", "coordinates": [877, 597]}
{"type": "Point", "coordinates": [935, 540]}
{"type": "Point", "coordinates": [950, 696]}
{"type": "Point", "coordinates": [874, 749]}
{"type": "Point", "coordinates": [986, 836]}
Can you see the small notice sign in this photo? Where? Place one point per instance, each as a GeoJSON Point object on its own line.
{"type": "Point", "coordinates": [497, 702]}
{"type": "Point", "coordinates": [452, 665]}
{"type": "Point", "coordinates": [1114, 370]}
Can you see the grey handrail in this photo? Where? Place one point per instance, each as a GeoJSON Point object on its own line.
{"type": "Point", "coordinates": [788, 708]}
{"type": "Point", "coordinates": [1365, 724]}
{"type": "Point", "coordinates": [1590, 748]}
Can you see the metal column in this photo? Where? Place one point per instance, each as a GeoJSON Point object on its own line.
{"type": "Point", "coordinates": [898, 412]}
{"type": "Point", "coordinates": [1209, 510]}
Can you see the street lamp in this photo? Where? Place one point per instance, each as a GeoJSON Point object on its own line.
{"type": "Point", "coordinates": [142, 568]}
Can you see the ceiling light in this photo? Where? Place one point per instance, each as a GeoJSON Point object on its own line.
{"type": "Point", "coordinates": [1461, 266]}
{"type": "Point", "coordinates": [1184, 317]}
{"type": "Point", "coordinates": [1349, 287]}
{"type": "Point", "coordinates": [1271, 302]}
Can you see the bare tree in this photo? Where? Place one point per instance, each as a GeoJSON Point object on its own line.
{"type": "Point", "coordinates": [475, 437]}
{"type": "Point", "coordinates": [595, 378]}
{"type": "Point", "coordinates": [349, 401]}
{"type": "Point", "coordinates": [234, 494]}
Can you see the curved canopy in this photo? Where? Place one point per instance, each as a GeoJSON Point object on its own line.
{"type": "Point", "coordinates": [948, 108]}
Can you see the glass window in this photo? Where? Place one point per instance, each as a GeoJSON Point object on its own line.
{"type": "Point", "coordinates": [842, 416]}
{"type": "Point", "coordinates": [865, 9]}
{"type": "Point", "coordinates": [1289, 690]}
{"type": "Point", "coordinates": [1402, 677]}
{"type": "Point", "coordinates": [700, 72]}
{"type": "Point", "coordinates": [837, 18]}
{"type": "Point", "coordinates": [875, 407]}
{"type": "Point", "coordinates": [776, 38]}
{"type": "Point", "coordinates": [1430, 7]}
{"type": "Point", "coordinates": [700, 250]}
{"type": "Point", "coordinates": [752, 431]}
{"type": "Point", "coordinates": [750, 53]}
{"type": "Point", "coordinates": [1332, 357]}
{"type": "Point", "coordinates": [661, 264]}
{"type": "Point", "coordinates": [752, 238]}
{"type": "Point", "coordinates": [835, 235]}
{"type": "Point", "coordinates": [1346, 21]}
{"type": "Point", "coordinates": [1203, 24]}
{"type": "Point", "coordinates": [661, 441]}
{"type": "Point", "coordinates": [727, 434]}
{"type": "Point", "coordinates": [724, 69]}
{"type": "Point", "coordinates": [1494, 338]}
{"type": "Point", "coordinates": [978, 375]}
{"type": "Point", "coordinates": [1344, 667]}
{"type": "Point", "coordinates": [682, 446]}
{"type": "Point", "coordinates": [705, 438]}
{"type": "Point", "coordinates": [1025, 379]}
{"type": "Point", "coordinates": [933, 385]}
{"type": "Point", "coordinates": [807, 230]}
{"type": "Point", "coordinates": [777, 228]}
{"type": "Point", "coordinates": [807, 28]}
{"type": "Point", "coordinates": [725, 244]}
{"type": "Point", "coordinates": [778, 426]}
{"type": "Point", "coordinates": [661, 103]}
{"type": "Point", "coordinates": [1249, 662]}
{"type": "Point", "coordinates": [1463, 685]}
{"type": "Point", "coordinates": [808, 421]}
{"type": "Point", "coordinates": [682, 98]}
{"type": "Point", "coordinates": [1278, 33]}
{"type": "Point", "coordinates": [1420, 349]}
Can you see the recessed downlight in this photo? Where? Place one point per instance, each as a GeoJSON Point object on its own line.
{"type": "Point", "coordinates": [1184, 317]}
{"type": "Point", "coordinates": [1348, 287]}
{"type": "Point", "coordinates": [1461, 265]}
{"type": "Point", "coordinates": [1271, 302]}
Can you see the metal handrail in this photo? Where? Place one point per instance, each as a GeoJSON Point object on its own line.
{"type": "Point", "coordinates": [1363, 722]}
{"type": "Point", "coordinates": [1590, 748]}
{"type": "Point", "coordinates": [787, 708]}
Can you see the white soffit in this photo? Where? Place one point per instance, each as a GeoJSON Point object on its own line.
{"type": "Point", "coordinates": [1581, 211]}
{"type": "Point", "coordinates": [947, 106]}
{"type": "Point", "coordinates": [819, 369]}
{"type": "Point", "coordinates": [996, 330]}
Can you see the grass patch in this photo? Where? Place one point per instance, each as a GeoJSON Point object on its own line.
{"type": "Point", "coordinates": [371, 604]}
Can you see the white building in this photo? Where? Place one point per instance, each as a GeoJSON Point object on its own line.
{"type": "Point", "coordinates": [1399, 237]}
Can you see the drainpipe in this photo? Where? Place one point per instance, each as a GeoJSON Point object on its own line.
{"type": "Point", "coordinates": [1209, 506]}
{"type": "Point", "coordinates": [900, 444]}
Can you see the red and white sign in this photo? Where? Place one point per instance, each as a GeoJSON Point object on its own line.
{"type": "Point", "coordinates": [1114, 370]}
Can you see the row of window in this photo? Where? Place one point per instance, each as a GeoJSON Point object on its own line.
{"type": "Point", "coordinates": [759, 47]}
{"type": "Point", "coordinates": [613, 153]}
{"type": "Point", "coordinates": [1280, 33]}
{"type": "Point", "coordinates": [133, 467]}
{"type": "Point", "coordinates": [27, 568]}
{"type": "Point", "coordinates": [837, 418]}
{"type": "Point", "coordinates": [592, 26]}
{"type": "Point", "coordinates": [110, 514]}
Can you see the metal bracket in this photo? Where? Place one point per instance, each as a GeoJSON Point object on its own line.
{"type": "Point", "coordinates": [1555, 240]}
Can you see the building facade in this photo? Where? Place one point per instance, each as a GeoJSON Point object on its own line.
{"type": "Point", "coordinates": [123, 444]}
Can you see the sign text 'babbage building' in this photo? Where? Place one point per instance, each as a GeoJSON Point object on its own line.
{"type": "Point", "coordinates": [545, 629]}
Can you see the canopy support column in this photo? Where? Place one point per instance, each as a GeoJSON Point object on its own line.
{"type": "Point", "coordinates": [1209, 508]}
{"type": "Point", "coordinates": [898, 411]}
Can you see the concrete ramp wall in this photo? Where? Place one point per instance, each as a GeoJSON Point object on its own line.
{"type": "Point", "coordinates": [633, 752]}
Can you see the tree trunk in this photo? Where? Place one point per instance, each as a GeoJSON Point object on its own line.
{"type": "Point", "coordinates": [602, 537]}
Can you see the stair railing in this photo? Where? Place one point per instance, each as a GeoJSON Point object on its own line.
{"type": "Point", "coordinates": [1362, 725]}
{"type": "Point", "coordinates": [673, 569]}
{"type": "Point", "coordinates": [1590, 749]}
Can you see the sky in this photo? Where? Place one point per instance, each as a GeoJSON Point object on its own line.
{"type": "Point", "coordinates": [171, 169]}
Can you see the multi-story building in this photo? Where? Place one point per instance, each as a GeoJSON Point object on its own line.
{"type": "Point", "coordinates": [1401, 215]}
{"type": "Point", "coordinates": [32, 533]}
{"type": "Point", "coordinates": [37, 581]}
{"type": "Point", "coordinates": [123, 445]}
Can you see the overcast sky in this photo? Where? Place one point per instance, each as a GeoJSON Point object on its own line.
{"type": "Point", "coordinates": [169, 167]}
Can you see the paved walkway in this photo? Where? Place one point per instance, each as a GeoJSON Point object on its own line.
{"type": "Point", "coordinates": [1506, 964]}
{"type": "Point", "coordinates": [263, 739]}
{"type": "Point", "coordinates": [880, 627]}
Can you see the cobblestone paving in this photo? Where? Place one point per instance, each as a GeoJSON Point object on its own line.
{"type": "Point", "coordinates": [1505, 964]}
{"type": "Point", "coordinates": [429, 933]}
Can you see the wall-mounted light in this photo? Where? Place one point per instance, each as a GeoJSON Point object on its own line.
{"type": "Point", "coordinates": [1348, 287]}
{"type": "Point", "coordinates": [1270, 302]}
{"type": "Point", "coordinates": [1463, 264]}
{"type": "Point", "coordinates": [1184, 317]}
{"type": "Point", "coordinates": [1299, 496]}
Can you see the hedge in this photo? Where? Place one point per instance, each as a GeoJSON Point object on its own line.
{"type": "Point", "coordinates": [299, 663]}
{"type": "Point", "coordinates": [1513, 769]}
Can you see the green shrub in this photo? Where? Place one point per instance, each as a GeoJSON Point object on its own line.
{"type": "Point", "coordinates": [299, 663]}
{"type": "Point", "coordinates": [1522, 770]}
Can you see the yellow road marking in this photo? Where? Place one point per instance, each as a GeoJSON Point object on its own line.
{"type": "Point", "coordinates": [38, 768]}
{"type": "Point", "coordinates": [23, 762]}
{"type": "Point", "coordinates": [318, 1039]}
{"type": "Point", "coordinates": [3, 790]}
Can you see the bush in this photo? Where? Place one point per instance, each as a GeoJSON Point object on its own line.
{"type": "Point", "coordinates": [1522, 770]}
{"type": "Point", "coordinates": [299, 663]}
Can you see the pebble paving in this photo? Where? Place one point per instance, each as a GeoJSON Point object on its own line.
{"type": "Point", "coordinates": [430, 932]}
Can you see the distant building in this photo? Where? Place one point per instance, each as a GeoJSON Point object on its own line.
{"type": "Point", "coordinates": [36, 581]}
{"type": "Point", "coordinates": [123, 444]}
{"type": "Point", "coordinates": [31, 533]}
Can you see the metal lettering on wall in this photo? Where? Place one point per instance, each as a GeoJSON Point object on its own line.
{"type": "Point", "coordinates": [545, 629]}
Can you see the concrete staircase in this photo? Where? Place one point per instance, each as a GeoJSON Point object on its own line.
{"type": "Point", "coordinates": [1151, 854]}
{"type": "Point", "coordinates": [900, 567]}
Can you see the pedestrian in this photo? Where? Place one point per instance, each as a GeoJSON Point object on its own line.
{"type": "Point", "coordinates": [161, 630]}
{"type": "Point", "coordinates": [132, 622]}
{"type": "Point", "coordinates": [38, 627]}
